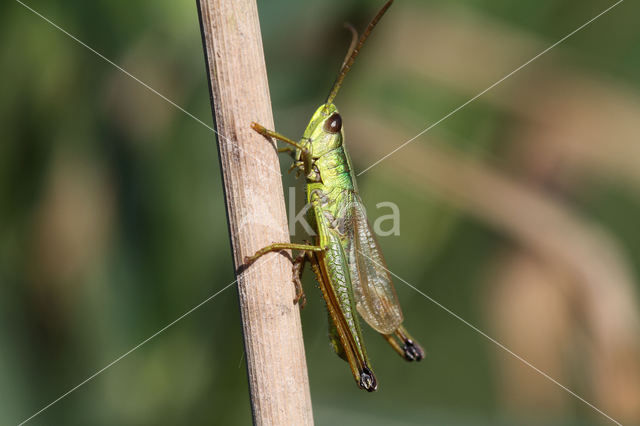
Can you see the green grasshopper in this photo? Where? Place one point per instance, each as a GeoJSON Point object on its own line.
{"type": "Point", "coordinates": [345, 256]}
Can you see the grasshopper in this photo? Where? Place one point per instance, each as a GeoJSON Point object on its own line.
{"type": "Point", "coordinates": [345, 256]}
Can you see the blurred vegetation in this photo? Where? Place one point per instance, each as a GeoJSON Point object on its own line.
{"type": "Point", "coordinates": [113, 217]}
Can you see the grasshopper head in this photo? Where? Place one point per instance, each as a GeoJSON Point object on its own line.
{"type": "Point", "coordinates": [324, 131]}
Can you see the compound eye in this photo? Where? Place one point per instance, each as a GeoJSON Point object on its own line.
{"type": "Point", "coordinates": [333, 123]}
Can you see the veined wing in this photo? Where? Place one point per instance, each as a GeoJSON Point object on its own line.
{"type": "Point", "coordinates": [375, 296]}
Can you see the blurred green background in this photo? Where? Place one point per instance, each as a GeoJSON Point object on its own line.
{"type": "Point", "coordinates": [519, 213]}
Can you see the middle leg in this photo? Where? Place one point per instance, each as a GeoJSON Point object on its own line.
{"type": "Point", "coordinates": [280, 246]}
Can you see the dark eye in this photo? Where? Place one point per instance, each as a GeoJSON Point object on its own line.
{"type": "Point", "coordinates": [333, 123]}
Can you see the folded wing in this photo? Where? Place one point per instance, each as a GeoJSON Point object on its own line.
{"type": "Point", "coordinates": [375, 296]}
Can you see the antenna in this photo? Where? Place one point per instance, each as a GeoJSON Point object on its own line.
{"type": "Point", "coordinates": [346, 66]}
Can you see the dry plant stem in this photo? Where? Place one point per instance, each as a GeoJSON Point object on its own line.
{"type": "Point", "coordinates": [274, 348]}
